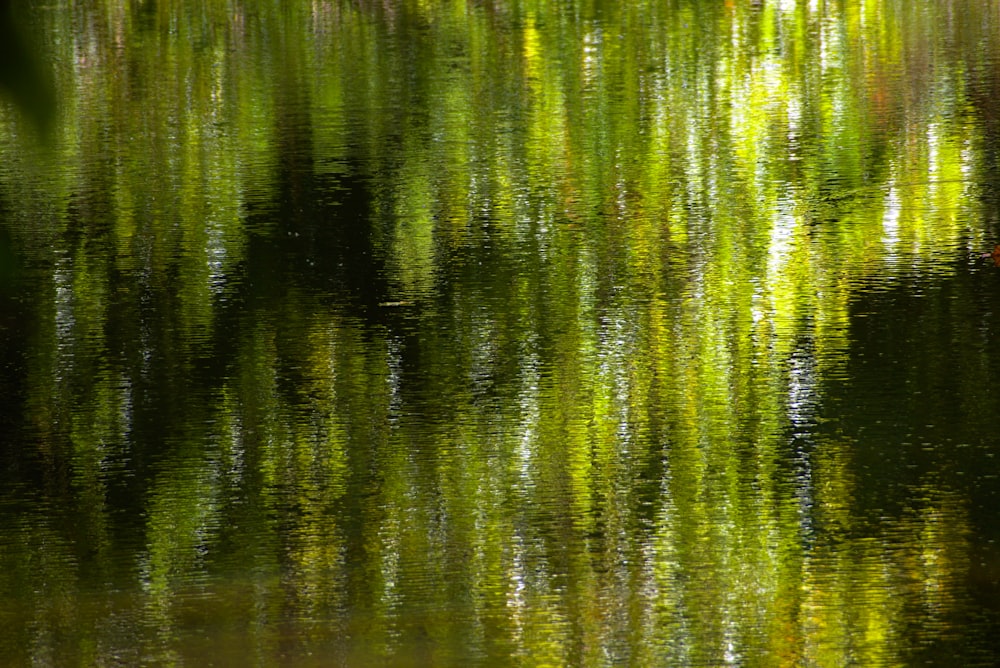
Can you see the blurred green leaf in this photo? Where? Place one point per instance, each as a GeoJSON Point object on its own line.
{"type": "Point", "coordinates": [23, 77]}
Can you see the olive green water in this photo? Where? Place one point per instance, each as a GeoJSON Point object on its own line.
{"type": "Point", "coordinates": [420, 333]}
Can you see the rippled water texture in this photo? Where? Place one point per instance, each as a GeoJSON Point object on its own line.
{"type": "Point", "coordinates": [503, 333]}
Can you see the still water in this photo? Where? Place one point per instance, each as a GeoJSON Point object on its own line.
{"type": "Point", "coordinates": [530, 333]}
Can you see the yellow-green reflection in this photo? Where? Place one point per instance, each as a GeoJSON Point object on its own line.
{"type": "Point", "coordinates": [551, 334]}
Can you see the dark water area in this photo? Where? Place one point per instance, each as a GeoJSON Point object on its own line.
{"type": "Point", "coordinates": [430, 334]}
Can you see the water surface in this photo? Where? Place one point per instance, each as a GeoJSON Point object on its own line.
{"type": "Point", "coordinates": [503, 333]}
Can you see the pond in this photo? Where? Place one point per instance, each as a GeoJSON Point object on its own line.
{"type": "Point", "coordinates": [503, 332]}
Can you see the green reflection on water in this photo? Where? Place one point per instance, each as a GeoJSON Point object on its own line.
{"type": "Point", "coordinates": [513, 333]}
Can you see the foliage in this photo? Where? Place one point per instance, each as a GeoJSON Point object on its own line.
{"type": "Point", "coordinates": [526, 332]}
